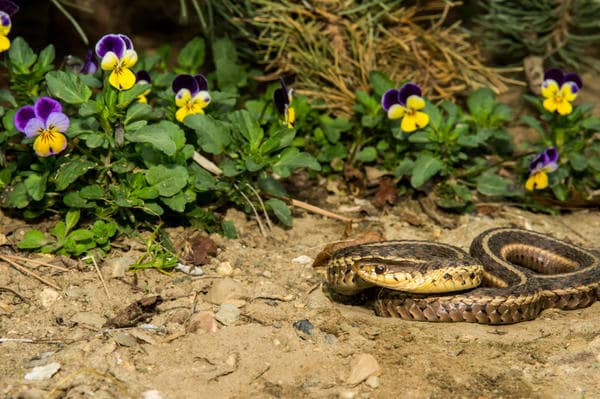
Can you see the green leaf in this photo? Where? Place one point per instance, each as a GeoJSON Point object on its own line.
{"type": "Point", "coordinates": [229, 230]}
{"type": "Point", "coordinates": [71, 171]}
{"type": "Point", "coordinates": [578, 161]}
{"type": "Point", "coordinates": [46, 57]}
{"type": "Point", "coordinates": [6, 96]}
{"type": "Point", "coordinates": [380, 82]}
{"type": "Point", "coordinates": [16, 196]}
{"type": "Point", "coordinates": [229, 74]}
{"type": "Point", "coordinates": [405, 167]}
{"type": "Point", "coordinates": [167, 180]}
{"type": "Point", "coordinates": [163, 136]}
{"type": "Point", "coordinates": [281, 210]}
{"type": "Point", "coordinates": [33, 239]}
{"type": "Point", "coordinates": [334, 127]}
{"type": "Point", "coordinates": [176, 202]}
{"type": "Point", "coordinates": [68, 87]}
{"type": "Point", "coordinates": [591, 123]}
{"type": "Point", "coordinates": [435, 115]}
{"type": "Point", "coordinates": [533, 123]}
{"type": "Point", "coordinates": [72, 219]}
{"type": "Point", "coordinates": [191, 56]}
{"type": "Point", "coordinates": [561, 192]}
{"type": "Point", "coordinates": [74, 200]}
{"type": "Point", "coordinates": [36, 186]}
{"type": "Point", "coordinates": [280, 139]}
{"type": "Point", "coordinates": [21, 55]}
{"type": "Point", "coordinates": [81, 235]}
{"type": "Point", "coordinates": [127, 96]}
{"type": "Point", "coordinates": [213, 135]}
{"type": "Point", "coordinates": [90, 108]}
{"type": "Point", "coordinates": [137, 111]}
{"type": "Point", "coordinates": [292, 158]}
{"type": "Point", "coordinates": [248, 127]}
{"type": "Point", "coordinates": [425, 167]}
{"type": "Point", "coordinates": [421, 137]}
{"type": "Point", "coordinates": [367, 154]}
{"type": "Point", "coordinates": [481, 103]}
{"type": "Point", "coordinates": [92, 192]}
{"type": "Point", "coordinates": [492, 185]}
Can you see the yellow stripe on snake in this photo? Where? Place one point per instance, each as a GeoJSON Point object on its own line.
{"type": "Point", "coordinates": [511, 275]}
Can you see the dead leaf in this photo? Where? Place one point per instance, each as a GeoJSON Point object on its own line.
{"type": "Point", "coordinates": [386, 193]}
{"type": "Point", "coordinates": [139, 311]}
{"type": "Point", "coordinates": [201, 248]}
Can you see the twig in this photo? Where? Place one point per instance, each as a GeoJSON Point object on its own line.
{"type": "Point", "coordinates": [72, 20]}
{"type": "Point", "coordinates": [262, 205]}
{"type": "Point", "coordinates": [260, 225]}
{"type": "Point", "coordinates": [206, 164]}
{"type": "Point", "coordinates": [32, 274]}
{"type": "Point", "coordinates": [93, 258]}
{"type": "Point", "coordinates": [37, 262]}
{"type": "Point", "coordinates": [319, 211]}
{"type": "Point", "coordinates": [15, 293]}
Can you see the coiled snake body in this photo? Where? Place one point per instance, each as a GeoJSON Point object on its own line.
{"type": "Point", "coordinates": [521, 273]}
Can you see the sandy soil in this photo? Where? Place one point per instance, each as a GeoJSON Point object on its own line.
{"type": "Point", "coordinates": [262, 354]}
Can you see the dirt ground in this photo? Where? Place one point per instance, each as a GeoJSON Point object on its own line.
{"type": "Point", "coordinates": [183, 353]}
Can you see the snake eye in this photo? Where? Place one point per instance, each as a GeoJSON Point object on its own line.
{"type": "Point", "coordinates": [379, 269]}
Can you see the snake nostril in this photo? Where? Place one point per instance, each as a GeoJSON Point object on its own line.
{"type": "Point", "coordinates": [379, 269]}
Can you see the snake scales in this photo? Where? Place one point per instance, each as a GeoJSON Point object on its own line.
{"type": "Point", "coordinates": [521, 273]}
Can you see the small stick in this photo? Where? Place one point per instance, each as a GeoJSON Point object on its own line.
{"type": "Point", "coordinates": [99, 274]}
{"type": "Point", "coordinates": [36, 262]}
{"type": "Point", "coordinates": [206, 164]}
{"type": "Point", "coordinates": [262, 204]}
{"type": "Point", "coordinates": [32, 274]}
{"type": "Point", "coordinates": [320, 211]}
{"type": "Point", "coordinates": [260, 225]}
{"type": "Point", "coordinates": [15, 293]}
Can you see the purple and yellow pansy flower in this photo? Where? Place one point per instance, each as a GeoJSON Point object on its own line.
{"type": "Point", "coordinates": [406, 103]}
{"type": "Point", "coordinates": [559, 90]}
{"type": "Point", "coordinates": [118, 56]}
{"type": "Point", "coordinates": [543, 163]}
{"type": "Point", "coordinates": [282, 99]}
{"type": "Point", "coordinates": [191, 95]}
{"type": "Point", "coordinates": [90, 64]}
{"type": "Point", "coordinates": [7, 9]}
{"type": "Point", "coordinates": [46, 122]}
{"type": "Point", "coordinates": [143, 77]}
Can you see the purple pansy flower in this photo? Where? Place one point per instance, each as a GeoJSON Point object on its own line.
{"type": "Point", "coordinates": [143, 77]}
{"type": "Point", "coordinates": [46, 122]}
{"type": "Point", "coordinates": [405, 103]}
{"type": "Point", "coordinates": [118, 56]}
{"type": "Point", "coordinates": [539, 167]}
{"type": "Point", "coordinates": [282, 98]}
{"type": "Point", "coordinates": [559, 90]}
{"type": "Point", "coordinates": [7, 9]}
{"type": "Point", "coordinates": [90, 64]}
{"type": "Point", "coordinates": [191, 95]}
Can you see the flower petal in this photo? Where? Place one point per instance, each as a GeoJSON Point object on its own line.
{"type": "Point", "coordinates": [551, 154]}
{"type": "Point", "coordinates": [554, 74]}
{"type": "Point", "coordinates": [422, 119]}
{"type": "Point", "coordinates": [573, 77]}
{"type": "Point", "coordinates": [549, 88]}
{"type": "Point", "coordinates": [110, 43]}
{"type": "Point", "coordinates": [122, 79]}
{"type": "Point", "coordinates": [569, 90]}
{"type": "Point", "coordinates": [5, 23]}
{"type": "Point", "coordinates": [44, 106]}
{"type": "Point", "coordinates": [564, 108]}
{"type": "Point", "coordinates": [49, 143]}
{"type": "Point", "coordinates": [57, 121]}
{"type": "Point", "coordinates": [396, 111]}
{"type": "Point", "coordinates": [415, 102]}
{"type": "Point", "coordinates": [127, 41]}
{"type": "Point", "coordinates": [129, 58]}
{"type": "Point", "coordinates": [290, 117]}
{"type": "Point", "coordinates": [4, 43]}
{"type": "Point", "coordinates": [202, 98]}
{"type": "Point", "coordinates": [537, 181]}
{"type": "Point", "coordinates": [34, 127]}
{"type": "Point", "coordinates": [550, 104]}
{"type": "Point", "coordinates": [90, 64]}
{"type": "Point", "coordinates": [182, 97]}
{"type": "Point", "coordinates": [407, 90]}
{"type": "Point", "coordinates": [22, 116]}
{"type": "Point", "coordinates": [142, 76]}
{"type": "Point", "coordinates": [409, 123]}
{"type": "Point", "coordinates": [389, 98]}
{"type": "Point", "coordinates": [109, 61]}
{"type": "Point", "coordinates": [201, 81]}
{"type": "Point", "coordinates": [281, 100]}
{"type": "Point", "coordinates": [185, 82]}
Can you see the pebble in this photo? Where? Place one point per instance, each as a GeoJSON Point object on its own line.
{"type": "Point", "coordinates": [363, 366]}
{"type": "Point", "coordinates": [303, 260]}
{"type": "Point", "coordinates": [305, 326]}
{"type": "Point", "coordinates": [125, 339]}
{"type": "Point", "coordinates": [317, 300]}
{"type": "Point", "coordinates": [267, 274]}
{"type": "Point", "coordinates": [41, 373]}
{"type": "Point", "coordinates": [330, 339]}
{"type": "Point", "coordinates": [38, 360]}
{"type": "Point", "coordinates": [224, 269]}
{"type": "Point", "coordinates": [225, 290]}
{"type": "Point", "coordinates": [203, 321]}
{"type": "Point", "coordinates": [119, 266]}
{"type": "Point", "coordinates": [347, 394]}
{"type": "Point", "coordinates": [372, 382]}
{"type": "Point", "coordinates": [48, 296]}
{"type": "Point", "coordinates": [89, 318]}
{"type": "Point", "coordinates": [191, 270]}
{"type": "Point", "coordinates": [152, 394]}
{"type": "Point", "coordinates": [227, 314]}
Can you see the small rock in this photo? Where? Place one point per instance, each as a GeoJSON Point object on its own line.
{"type": "Point", "coordinates": [227, 314]}
{"type": "Point", "coordinates": [142, 336]}
{"type": "Point", "coordinates": [224, 290]}
{"type": "Point", "coordinates": [305, 326]}
{"type": "Point", "coordinates": [203, 321]}
{"type": "Point", "coordinates": [303, 260]}
{"type": "Point", "coordinates": [318, 300]}
{"type": "Point", "coordinates": [363, 366]}
{"type": "Point", "coordinates": [48, 296]}
{"type": "Point", "coordinates": [152, 394]}
{"type": "Point", "coordinates": [267, 274]}
{"type": "Point", "coordinates": [330, 339]}
{"type": "Point", "coordinates": [41, 373]}
{"type": "Point", "coordinates": [89, 318]}
{"type": "Point", "coordinates": [372, 382]}
{"type": "Point", "coordinates": [224, 269]}
{"type": "Point", "coordinates": [119, 266]}
{"type": "Point", "coordinates": [125, 339]}
{"type": "Point", "coordinates": [191, 270]}
{"type": "Point", "coordinates": [38, 360]}
{"type": "Point", "coordinates": [347, 394]}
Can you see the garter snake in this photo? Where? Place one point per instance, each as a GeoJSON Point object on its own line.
{"type": "Point", "coordinates": [511, 275]}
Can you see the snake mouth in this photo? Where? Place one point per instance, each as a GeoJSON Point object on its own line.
{"type": "Point", "coordinates": [419, 277]}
